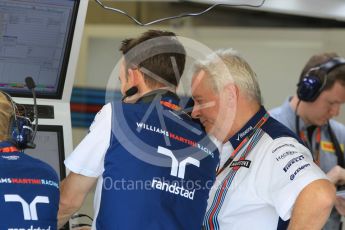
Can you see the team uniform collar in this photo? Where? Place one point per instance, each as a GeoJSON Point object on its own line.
{"type": "Point", "coordinates": [248, 128]}
{"type": "Point", "coordinates": [160, 94]}
{"type": "Point", "coordinates": [6, 146]}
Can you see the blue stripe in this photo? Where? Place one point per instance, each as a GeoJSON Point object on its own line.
{"type": "Point", "coordinates": [84, 116]}
{"type": "Point", "coordinates": [90, 96]}
{"type": "Point", "coordinates": [81, 123]}
{"type": "Point", "coordinates": [88, 100]}
{"type": "Point", "coordinates": [93, 96]}
{"type": "Point", "coordinates": [88, 91]}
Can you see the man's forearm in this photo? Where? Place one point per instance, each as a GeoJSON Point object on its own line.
{"type": "Point", "coordinates": [73, 191]}
{"type": "Point", "coordinates": [313, 206]}
{"type": "Point", "coordinates": [66, 207]}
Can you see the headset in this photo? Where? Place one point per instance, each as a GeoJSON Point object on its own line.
{"type": "Point", "coordinates": [311, 85]}
{"type": "Point", "coordinates": [20, 127]}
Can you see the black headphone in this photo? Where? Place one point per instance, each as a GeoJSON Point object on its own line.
{"type": "Point", "coordinates": [20, 127]}
{"type": "Point", "coordinates": [310, 86]}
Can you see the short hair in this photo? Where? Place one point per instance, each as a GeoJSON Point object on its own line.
{"type": "Point", "coordinates": [156, 56]}
{"type": "Point", "coordinates": [237, 71]}
{"type": "Point", "coordinates": [336, 74]}
{"type": "Point", "coordinates": [6, 112]}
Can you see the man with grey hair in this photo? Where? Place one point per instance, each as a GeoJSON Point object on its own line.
{"type": "Point", "coordinates": [266, 178]}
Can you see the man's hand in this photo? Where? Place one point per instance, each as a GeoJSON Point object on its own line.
{"type": "Point", "coordinates": [340, 205]}
{"type": "Point", "coordinates": [337, 175]}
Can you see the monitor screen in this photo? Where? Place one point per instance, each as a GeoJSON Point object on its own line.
{"type": "Point", "coordinates": [50, 147]}
{"type": "Point", "coordinates": [35, 40]}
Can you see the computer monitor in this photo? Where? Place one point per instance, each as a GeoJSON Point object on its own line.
{"type": "Point", "coordinates": [50, 147]}
{"type": "Point", "coordinates": [35, 40]}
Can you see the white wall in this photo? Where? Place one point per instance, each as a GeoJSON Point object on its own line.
{"type": "Point", "coordinates": [276, 55]}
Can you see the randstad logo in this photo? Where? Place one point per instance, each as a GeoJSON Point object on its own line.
{"type": "Point", "coordinates": [178, 168]}
{"type": "Point", "coordinates": [173, 188]}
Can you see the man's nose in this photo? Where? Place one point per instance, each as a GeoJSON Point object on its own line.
{"type": "Point", "coordinates": [335, 110]}
{"type": "Point", "coordinates": [195, 112]}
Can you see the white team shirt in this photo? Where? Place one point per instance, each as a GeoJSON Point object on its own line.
{"type": "Point", "coordinates": [267, 190]}
{"type": "Point", "coordinates": [88, 157]}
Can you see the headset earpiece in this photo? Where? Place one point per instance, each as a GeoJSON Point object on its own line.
{"type": "Point", "coordinates": [311, 85]}
{"type": "Point", "coordinates": [22, 132]}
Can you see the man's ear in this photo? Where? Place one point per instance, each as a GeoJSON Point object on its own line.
{"type": "Point", "coordinates": [231, 92]}
{"type": "Point", "coordinates": [134, 77]}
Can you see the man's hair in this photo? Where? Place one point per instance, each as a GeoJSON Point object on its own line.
{"type": "Point", "coordinates": [226, 66]}
{"type": "Point", "coordinates": [157, 52]}
{"type": "Point", "coordinates": [6, 112]}
{"type": "Point", "coordinates": [336, 74]}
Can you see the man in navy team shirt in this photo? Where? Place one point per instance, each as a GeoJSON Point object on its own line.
{"type": "Point", "coordinates": [29, 188]}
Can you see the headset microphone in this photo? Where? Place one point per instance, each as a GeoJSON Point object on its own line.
{"type": "Point", "coordinates": [130, 92]}
{"type": "Point", "coordinates": [31, 86]}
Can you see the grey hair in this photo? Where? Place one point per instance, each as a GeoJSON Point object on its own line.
{"type": "Point", "coordinates": [227, 66]}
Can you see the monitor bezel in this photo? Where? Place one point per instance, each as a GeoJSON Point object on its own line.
{"type": "Point", "coordinates": [64, 67]}
{"type": "Point", "coordinates": [58, 129]}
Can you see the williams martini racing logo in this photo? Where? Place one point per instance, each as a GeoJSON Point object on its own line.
{"type": "Point", "coordinates": [171, 135]}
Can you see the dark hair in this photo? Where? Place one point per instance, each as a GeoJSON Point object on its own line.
{"type": "Point", "coordinates": [160, 56]}
{"type": "Point", "coordinates": [336, 74]}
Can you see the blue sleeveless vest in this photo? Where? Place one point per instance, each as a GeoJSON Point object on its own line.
{"type": "Point", "coordinates": [159, 168]}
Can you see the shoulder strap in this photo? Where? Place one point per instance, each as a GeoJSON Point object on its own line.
{"type": "Point", "coordinates": [338, 151]}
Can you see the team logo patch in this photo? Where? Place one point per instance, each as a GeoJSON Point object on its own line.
{"type": "Point", "coordinates": [292, 161]}
{"type": "Point", "coordinates": [241, 163]}
{"type": "Point", "coordinates": [11, 158]}
{"type": "Point", "coordinates": [244, 133]}
{"type": "Point", "coordinates": [328, 146]}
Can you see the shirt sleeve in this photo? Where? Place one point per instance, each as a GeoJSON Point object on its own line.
{"type": "Point", "coordinates": [290, 170]}
{"type": "Point", "coordinates": [88, 157]}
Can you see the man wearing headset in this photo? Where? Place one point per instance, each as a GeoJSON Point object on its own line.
{"type": "Point", "coordinates": [309, 113]}
{"type": "Point", "coordinates": [153, 164]}
{"type": "Point", "coordinates": [29, 188]}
